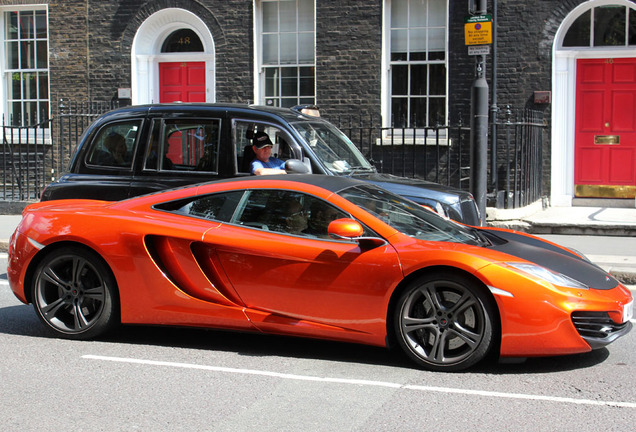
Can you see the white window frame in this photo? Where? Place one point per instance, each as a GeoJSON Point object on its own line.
{"type": "Point", "coordinates": [386, 95]}
{"type": "Point", "coordinates": [4, 90]}
{"type": "Point", "coordinates": [260, 68]}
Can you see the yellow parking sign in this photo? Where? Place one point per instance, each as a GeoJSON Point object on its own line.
{"type": "Point", "coordinates": [478, 30]}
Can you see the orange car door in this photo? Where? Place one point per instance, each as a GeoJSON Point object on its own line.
{"type": "Point", "coordinates": [285, 280]}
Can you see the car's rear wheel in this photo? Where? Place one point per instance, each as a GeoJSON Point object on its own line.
{"type": "Point", "coordinates": [74, 293]}
{"type": "Point", "coordinates": [444, 322]}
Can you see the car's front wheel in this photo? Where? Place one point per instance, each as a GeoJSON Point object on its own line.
{"type": "Point", "coordinates": [74, 293]}
{"type": "Point", "coordinates": [444, 322]}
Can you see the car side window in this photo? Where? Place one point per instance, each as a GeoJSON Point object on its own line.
{"type": "Point", "coordinates": [184, 145]}
{"type": "Point", "coordinates": [243, 132]}
{"type": "Point", "coordinates": [114, 145]}
{"type": "Point", "coordinates": [275, 210]}
{"type": "Point", "coordinates": [218, 207]}
{"type": "Point", "coordinates": [287, 212]}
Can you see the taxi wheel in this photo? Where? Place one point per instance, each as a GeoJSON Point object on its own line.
{"type": "Point", "coordinates": [444, 322]}
{"type": "Point", "coordinates": [74, 293]}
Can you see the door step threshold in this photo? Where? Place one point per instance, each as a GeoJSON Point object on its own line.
{"type": "Point", "coordinates": [604, 202]}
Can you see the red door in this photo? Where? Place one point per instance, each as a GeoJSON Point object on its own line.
{"type": "Point", "coordinates": [605, 139]}
{"type": "Point", "coordinates": [181, 81]}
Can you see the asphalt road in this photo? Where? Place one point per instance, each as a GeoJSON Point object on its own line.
{"type": "Point", "coordinates": [156, 379]}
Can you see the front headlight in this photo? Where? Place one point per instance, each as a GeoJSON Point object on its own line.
{"type": "Point", "coordinates": [548, 275]}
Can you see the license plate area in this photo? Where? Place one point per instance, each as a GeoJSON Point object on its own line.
{"type": "Point", "coordinates": [628, 311]}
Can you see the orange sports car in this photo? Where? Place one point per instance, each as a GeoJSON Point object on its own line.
{"type": "Point", "coordinates": [314, 256]}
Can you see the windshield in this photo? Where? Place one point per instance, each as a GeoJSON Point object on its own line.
{"type": "Point", "coordinates": [333, 148]}
{"type": "Point", "coordinates": [409, 217]}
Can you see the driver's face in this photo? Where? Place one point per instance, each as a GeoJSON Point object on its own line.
{"type": "Point", "coordinates": [263, 154]}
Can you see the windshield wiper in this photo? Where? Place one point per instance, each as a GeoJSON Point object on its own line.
{"type": "Point", "coordinates": [481, 238]}
{"type": "Point", "coordinates": [357, 169]}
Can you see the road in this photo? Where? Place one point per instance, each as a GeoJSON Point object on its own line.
{"type": "Point", "coordinates": [155, 379]}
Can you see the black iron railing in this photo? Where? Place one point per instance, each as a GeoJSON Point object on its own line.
{"type": "Point", "coordinates": [25, 161]}
{"type": "Point", "coordinates": [32, 156]}
{"type": "Point", "coordinates": [441, 154]}
{"type": "Point", "coordinates": [518, 179]}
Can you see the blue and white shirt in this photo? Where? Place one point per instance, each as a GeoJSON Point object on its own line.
{"type": "Point", "coordinates": [271, 163]}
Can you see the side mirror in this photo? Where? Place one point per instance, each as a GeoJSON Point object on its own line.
{"type": "Point", "coordinates": [295, 166]}
{"type": "Point", "coordinates": [345, 229]}
{"type": "Point", "coordinates": [349, 229]}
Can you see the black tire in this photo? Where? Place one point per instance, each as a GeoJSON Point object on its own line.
{"type": "Point", "coordinates": [74, 293]}
{"type": "Point", "coordinates": [444, 322]}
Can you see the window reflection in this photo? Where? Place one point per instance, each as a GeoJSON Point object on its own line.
{"type": "Point", "coordinates": [418, 63]}
{"type": "Point", "coordinates": [610, 25]}
{"type": "Point", "coordinates": [287, 55]}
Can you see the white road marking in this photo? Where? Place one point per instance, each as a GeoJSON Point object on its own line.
{"type": "Point", "coordinates": [358, 382]}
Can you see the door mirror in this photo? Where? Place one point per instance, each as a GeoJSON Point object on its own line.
{"type": "Point", "coordinates": [345, 229]}
{"type": "Point", "coordinates": [349, 229]}
{"type": "Point", "coordinates": [295, 166]}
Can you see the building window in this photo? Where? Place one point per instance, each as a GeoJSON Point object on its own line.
{"type": "Point", "coordinates": [287, 52]}
{"type": "Point", "coordinates": [182, 40]}
{"type": "Point", "coordinates": [25, 67]}
{"type": "Point", "coordinates": [417, 77]}
{"type": "Point", "coordinates": [608, 25]}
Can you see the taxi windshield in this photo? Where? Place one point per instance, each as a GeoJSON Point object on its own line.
{"type": "Point", "coordinates": [333, 148]}
{"type": "Point", "coordinates": [409, 217]}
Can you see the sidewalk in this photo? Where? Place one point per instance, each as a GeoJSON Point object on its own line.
{"type": "Point", "coordinates": [567, 220]}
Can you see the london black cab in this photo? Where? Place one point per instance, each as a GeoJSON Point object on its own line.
{"type": "Point", "coordinates": [141, 149]}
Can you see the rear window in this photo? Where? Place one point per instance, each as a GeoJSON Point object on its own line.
{"type": "Point", "coordinates": [114, 145]}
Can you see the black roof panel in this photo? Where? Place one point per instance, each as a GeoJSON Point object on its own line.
{"type": "Point", "coordinates": [330, 183]}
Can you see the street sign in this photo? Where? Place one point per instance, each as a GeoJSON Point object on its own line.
{"type": "Point", "coordinates": [478, 30]}
{"type": "Point", "coordinates": [478, 49]}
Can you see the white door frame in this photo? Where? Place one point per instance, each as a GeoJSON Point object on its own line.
{"type": "Point", "coordinates": [146, 53]}
{"type": "Point", "coordinates": [564, 100]}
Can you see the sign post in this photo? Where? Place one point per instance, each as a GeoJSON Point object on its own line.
{"type": "Point", "coordinates": [478, 37]}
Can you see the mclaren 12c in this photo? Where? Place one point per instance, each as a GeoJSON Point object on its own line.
{"type": "Point", "coordinates": [312, 256]}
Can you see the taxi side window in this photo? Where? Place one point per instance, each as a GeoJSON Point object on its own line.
{"type": "Point", "coordinates": [114, 145]}
{"type": "Point", "coordinates": [244, 131]}
{"type": "Point", "coordinates": [184, 145]}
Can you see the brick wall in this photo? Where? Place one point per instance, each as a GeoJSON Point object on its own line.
{"type": "Point", "coordinates": [68, 49]}
{"type": "Point", "coordinates": [349, 50]}
{"type": "Point", "coordinates": [90, 46]}
{"type": "Point", "coordinates": [91, 42]}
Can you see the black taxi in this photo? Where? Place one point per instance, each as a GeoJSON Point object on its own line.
{"type": "Point", "coordinates": [141, 149]}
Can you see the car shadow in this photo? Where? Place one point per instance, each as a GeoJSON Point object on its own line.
{"type": "Point", "coordinates": [544, 365]}
{"type": "Point", "coordinates": [257, 344]}
{"type": "Point", "coordinates": [21, 320]}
